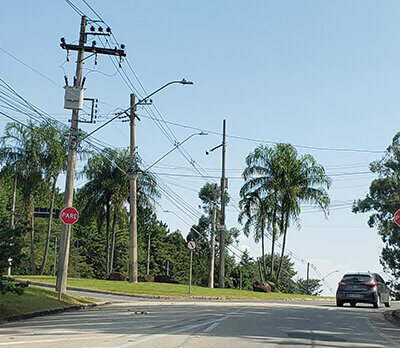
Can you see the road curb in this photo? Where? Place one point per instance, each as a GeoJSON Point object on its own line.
{"type": "Point", "coordinates": [167, 297]}
{"type": "Point", "coordinates": [393, 316]}
{"type": "Point", "coordinates": [52, 311]}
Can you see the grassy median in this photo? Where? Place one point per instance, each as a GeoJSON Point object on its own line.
{"type": "Point", "coordinates": [36, 300]}
{"type": "Point", "coordinates": [161, 289]}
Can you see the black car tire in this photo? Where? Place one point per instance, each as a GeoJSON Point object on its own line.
{"type": "Point", "coordinates": [339, 303]}
{"type": "Point", "coordinates": [353, 304]}
{"type": "Point", "coordinates": [377, 303]}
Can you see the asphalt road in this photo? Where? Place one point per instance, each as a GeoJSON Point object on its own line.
{"type": "Point", "coordinates": [133, 322]}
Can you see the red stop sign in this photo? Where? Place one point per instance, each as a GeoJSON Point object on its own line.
{"type": "Point", "coordinates": [397, 218]}
{"type": "Point", "coordinates": [69, 215]}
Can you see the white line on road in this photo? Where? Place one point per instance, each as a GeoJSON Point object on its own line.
{"type": "Point", "coordinates": [211, 327]}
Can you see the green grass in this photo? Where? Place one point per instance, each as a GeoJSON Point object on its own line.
{"type": "Point", "coordinates": [36, 299]}
{"type": "Point", "coordinates": [161, 289]}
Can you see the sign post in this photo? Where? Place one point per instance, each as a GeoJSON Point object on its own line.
{"type": "Point", "coordinates": [397, 218]}
{"type": "Point", "coordinates": [191, 245]}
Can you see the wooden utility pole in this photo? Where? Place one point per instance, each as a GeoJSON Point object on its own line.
{"type": "Point", "coordinates": [308, 277]}
{"type": "Point", "coordinates": [62, 271]}
{"type": "Point", "coordinates": [133, 256]}
{"type": "Point", "coordinates": [212, 246]}
{"type": "Point", "coordinates": [222, 226]}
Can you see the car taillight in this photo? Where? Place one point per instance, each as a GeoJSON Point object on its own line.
{"type": "Point", "coordinates": [371, 285]}
{"type": "Point", "coordinates": [342, 284]}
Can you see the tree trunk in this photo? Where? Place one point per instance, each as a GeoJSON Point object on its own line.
{"type": "Point", "coordinates": [107, 238]}
{"type": "Point", "coordinates": [260, 271]}
{"type": "Point", "coordinates": [49, 225]}
{"type": "Point", "coordinates": [272, 271]}
{"type": "Point", "coordinates": [263, 249]}
{"type": "Point", "coordinates": [212, 248]}
{"type": "Point", "coordinates": [113, 241]}
{"type": "Point", "coordinates": [286, 223]}
{"type": "Point", "coordinates": [32, 228]}
{"type": "Point", "coordinates": [148, 254]}
{"type": "Point", "coordinates": [14, 199]}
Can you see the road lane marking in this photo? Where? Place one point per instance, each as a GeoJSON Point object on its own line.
{"type": "Point", "coordinates": [180, 330]}
{"type": "Point", "coordinates": [211, 327]}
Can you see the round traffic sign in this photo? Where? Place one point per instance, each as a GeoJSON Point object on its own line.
{"type": "Point", "coordinates": [191, 245]}
{"type": "Point", "coordinates": [69, 215]}
{"type": "Point", "coordinates": [397, 217]}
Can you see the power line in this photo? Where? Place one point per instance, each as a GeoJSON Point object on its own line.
{"type": "Point", "coordinates": [272, 142]}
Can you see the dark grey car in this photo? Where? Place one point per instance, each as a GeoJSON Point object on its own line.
{"type": "Point", "coordinates": [362, 288]}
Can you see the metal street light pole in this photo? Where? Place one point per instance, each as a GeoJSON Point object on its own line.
{"type": "Point", "coordinates": [133, 256]}
{"type": "Point", "coordinates": [323, 278]}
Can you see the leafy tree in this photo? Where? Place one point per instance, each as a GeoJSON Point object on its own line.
{"type": "Point", "coordinates": [310, 287]}
{"type": "Point", "coordinates": [383, 200]}
{"type": "Point", "coordinates": [21, 150]}
{"type": "Point", "coordinates": [210, 195]}
{"type": "Point", "coordinates": [10, 248]}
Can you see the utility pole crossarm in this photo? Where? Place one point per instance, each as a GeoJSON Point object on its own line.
{"type": "Point", "coordinates": [94, 49]}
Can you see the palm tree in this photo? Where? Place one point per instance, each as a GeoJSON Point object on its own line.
{"type": "Point", "coordinates": [256, 211]}
{"type": "Point", "coordinates": [285, 180]}
{"type": "Point", "coordinates": [303, 180]}
{"type": "Point", "coordinates": [260, 188]}
{"type": "Point", "coordinates": [107, 191]}
{"type": "Point", "coordinates": [21, 151]}
{"type": "Point", "coordinates": [55, 157]}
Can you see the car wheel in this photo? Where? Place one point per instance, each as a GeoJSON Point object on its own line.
{"type": "Point", "coordinates": [377, 303]}
{"type": "Point", "coordinates": [387, 304]}
{"type": "Point", "coordinates": [339, 303]}
{"type": "Point", "coordinates": [353, 304]}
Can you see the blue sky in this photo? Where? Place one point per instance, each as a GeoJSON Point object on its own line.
{"type": "Point", "coordinates": [322, 74]}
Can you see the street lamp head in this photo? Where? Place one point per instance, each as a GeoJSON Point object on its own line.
{"type": "Point", "coordinates": [203, 133]}
{"type": "Point", "coordinates": [208, 152]}
{"type": "Point", "coordinates": [184, 82]}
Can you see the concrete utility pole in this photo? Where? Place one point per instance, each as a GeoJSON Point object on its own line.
{"type": "Point", "coordinates": [133, 257]}
{"type": "Point", "coordinates": [62, 270]}
{"type": "Point", "coordinates": [221, 226]}
{"type": "Point", "coordinates": [222, 230]}
{"type": "Point", "coordinates": [308, 277]}
{"type": "Point", "coordinates": [61, 284]}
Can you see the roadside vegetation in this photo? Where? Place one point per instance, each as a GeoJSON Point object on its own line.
{"type": "Point", "coordinates": [276, 181]}
{"type": "Point", "coordinates": [35, 299]}
{"type": "Point", "coordinates": [173, 290]}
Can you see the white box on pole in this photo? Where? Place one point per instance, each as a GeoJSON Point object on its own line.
{"type": "Point", "coordinates": [73, 98]}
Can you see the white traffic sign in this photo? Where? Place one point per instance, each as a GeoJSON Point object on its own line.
{"type": "Point", "coordinates": [191, 245]}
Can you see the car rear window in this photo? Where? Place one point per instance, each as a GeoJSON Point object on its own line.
{"type": "Point", "coordinates": [356, 278]}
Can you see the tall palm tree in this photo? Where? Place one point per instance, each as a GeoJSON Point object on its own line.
{"type": "Point", "coordinates": [107, 191]}
{"type": "Point", "coordinates": [303, 180]}
{"type": "Point", "coordinates": [286, 180]}
{"type": "Point", "coordinates": [54, 143]}
{"type": "Point", "coordinates": [21, 149]}
{"type": "Point", "coordinates": [256, 211]}
{"type": "Point", "coordinates": [260, 188]}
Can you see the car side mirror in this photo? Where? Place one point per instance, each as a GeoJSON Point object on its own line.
{"type": "Point", "coordinates": [387, 283]}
